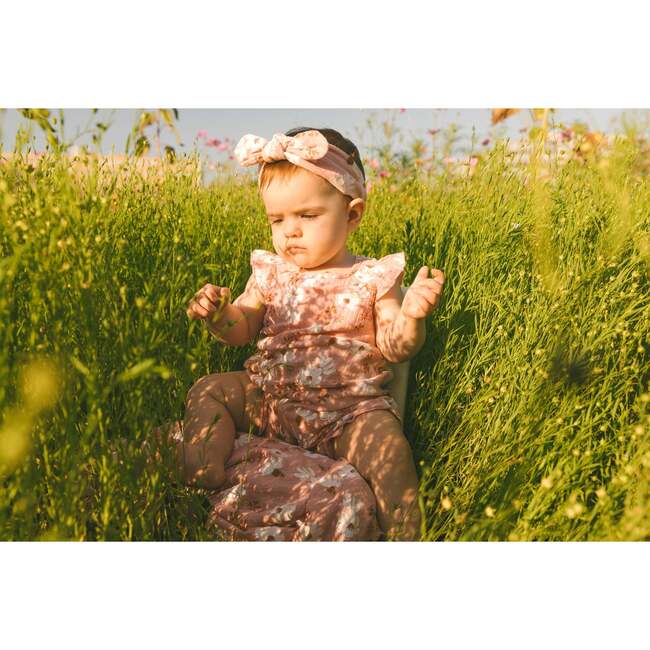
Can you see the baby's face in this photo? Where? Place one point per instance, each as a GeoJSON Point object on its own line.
{"type": "Point", "coordinates": [308, 212]}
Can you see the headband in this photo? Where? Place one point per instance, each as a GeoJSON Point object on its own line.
{"type": "Point", "coordinates": [309, 150]}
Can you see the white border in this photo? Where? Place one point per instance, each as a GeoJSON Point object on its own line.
{"type": "Point", "coordinates": [410, 595]}
{"type": "Point", "coordinates": [338, 54]}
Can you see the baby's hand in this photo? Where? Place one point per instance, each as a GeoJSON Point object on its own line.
{"type": "Point", "coordinates": [208, 301]}
{"type": "Point", "coordinates": [423, 295]}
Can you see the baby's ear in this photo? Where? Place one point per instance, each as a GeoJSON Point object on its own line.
{"type": "Point", "coordinates": [355, 211]}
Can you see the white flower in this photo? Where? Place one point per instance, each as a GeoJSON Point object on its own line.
{"type": "Point", "coordinates": [327, 366]}
{"type": "Point", "coordinates": [365, 274]}
{"type": "Point", "coordinates": [328, 416]}
{"type": "Point", "coordinates": [242, 440]}
{"type": "Point", "coordinates": [311, 281]}
{"type": "Point", "coordinates": [329, 481]}
{"type": "Point", "coordinates": [348, 522]}
{"type": "Point", "coordinates": [264, 532]}
{"type": "Point", "coordinates": [346, 470]}
{"type": "Point", "coordinates": [270, 465]}
{"type": "Point", "coordinates": [306, 414]}
{"type": "Point", "coordinates": [304, 530]}
{"type": "Point", "coordinates": [283, 513]}
{"type": "Point", "coordinates": [293, 299]}
{"type": "Point", "coordinates": [348, 301]}
{"type": "Point", "coordinates": [310, 376]}
{"type": "Point", "coordinates": [234, 494]}
{"type": "Point", "coordinates": [314, 374]}
{"type": "Point", "coordinates": [290, 356]}
{"type": "Point", "coordinates": [364, 387]}
{"type": "Point", "coordinates": [305, 474]}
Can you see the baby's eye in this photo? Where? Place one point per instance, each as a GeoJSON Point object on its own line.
{"type": "Point", "coordinates": [306, 216]}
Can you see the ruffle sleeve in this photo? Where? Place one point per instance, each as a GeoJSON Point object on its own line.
{"type": "Point", "coordinates": [384, 272]}
{"type": "Point", "coordinates": [263, 265]}
{"type": "Point", "coordinates": [251, 294]}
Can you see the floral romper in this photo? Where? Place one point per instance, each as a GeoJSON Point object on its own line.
{"type": "Point", "coordinates": [316, 369]}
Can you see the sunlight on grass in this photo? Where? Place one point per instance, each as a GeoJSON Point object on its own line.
{"type": "Point", "coordinates": [528, 407]}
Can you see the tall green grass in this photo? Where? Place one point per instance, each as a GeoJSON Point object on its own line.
{"type": "Point", "coordinates": [528, 407]}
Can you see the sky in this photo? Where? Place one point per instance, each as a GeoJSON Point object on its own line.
{"type": "Point", "coordinates": [352, 122]}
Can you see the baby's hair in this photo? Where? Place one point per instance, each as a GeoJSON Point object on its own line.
{"type": "Point", "coordinates": [281, 169]}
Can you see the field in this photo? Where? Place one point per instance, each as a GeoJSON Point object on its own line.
{"type": "Point", "coordinates": [528, 407]}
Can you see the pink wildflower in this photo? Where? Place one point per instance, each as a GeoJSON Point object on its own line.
{"type": "Point", "coordinates": [374, 163]}
{"type": "Point", "coordinates": [383, 173]}
{"type": "Point", "coordinates": [222, 147]}
{"type": "Point", "coordinates": [486, 142]}
{"type": "Point", "coordinates": [473, 161]}
{"type": "Point", "coordinates": [401, 110]}
{"type": "Point", "coordinates": [202, 134]}
{"type": "Point", "coordinates": [214, 142]}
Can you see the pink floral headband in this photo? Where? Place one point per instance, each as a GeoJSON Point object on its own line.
{"type": "Point", "coordinates": [309, 150]}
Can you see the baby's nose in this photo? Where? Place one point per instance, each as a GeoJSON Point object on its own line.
{"type": "Point", "coordinates": [291, 230]}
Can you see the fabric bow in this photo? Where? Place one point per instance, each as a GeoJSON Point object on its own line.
{"type": "Point", "coordinates": [253, 149]}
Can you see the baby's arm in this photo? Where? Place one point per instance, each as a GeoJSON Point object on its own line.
{"type": "Point", "coordinates": [398, 338]}
{"type": "Point", "coordinates": [240, 321]}
{"type": "Point", "coordinates": [400, 322]}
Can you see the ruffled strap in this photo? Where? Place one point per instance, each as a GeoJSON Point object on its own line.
{"type": "Point", "coordinates": [384, 272]}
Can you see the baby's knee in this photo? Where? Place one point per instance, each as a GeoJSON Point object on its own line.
{"type": "Point", "coordinates": [205, 388]}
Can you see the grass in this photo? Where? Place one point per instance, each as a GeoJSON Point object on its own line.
{"type": "Point", "coordinates": [528, 407]}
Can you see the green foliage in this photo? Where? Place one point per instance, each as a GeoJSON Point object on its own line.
{"type": "Point", "coordinates": [528, 407]}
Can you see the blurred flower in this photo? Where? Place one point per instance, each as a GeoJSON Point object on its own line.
{"type": "Point", "coordinates": [574, 509]}
{"type": "Point", "coordinates": [368, 186]}
{"type": "Point", "coordinates": [401, 110]}
{"type": "Point", "coordinates": [214, 142]}
{"type": "Point", "coordinates": [489, 511]}
{"type": "Point", "coordinates": [383, 173]}
{"type": "Point", "coordinates": [15, 440]}
{"type": "Point", "coordinates": [202, 134]}
{"type": "Point", "coordinates": [448, 160]}
{"type": "Point", "coordinates": [433, 131]}
{"type": "Point", "coordinates": [374, 163]}
{"type": "Point", "coordinates": [486, 142]}
{"type": "Point", "coordinates": [473, 161]}
{"type": "Point", "coordinates": [39, 384]}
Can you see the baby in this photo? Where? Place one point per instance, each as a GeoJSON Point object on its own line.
{"type": "Point", "coordinates": [330, 320]}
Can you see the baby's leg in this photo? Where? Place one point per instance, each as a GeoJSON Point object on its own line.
{"type": "Point", "coordinates": [217, 406]}
{"type": "Point", "coordinates": [376, 446]}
